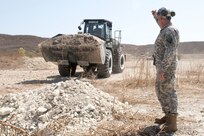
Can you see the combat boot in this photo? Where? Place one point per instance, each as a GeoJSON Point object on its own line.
{"type": "Point", "coordinates": [171, 123]}
{"type": "Point", "coordinates": [161, 120]}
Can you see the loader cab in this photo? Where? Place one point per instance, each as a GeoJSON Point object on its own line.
{"type": "Point", "coordinates": [99, 27]}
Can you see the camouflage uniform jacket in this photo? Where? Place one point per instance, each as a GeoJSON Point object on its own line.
{"type": "Point", "coordinates": [165, 50]}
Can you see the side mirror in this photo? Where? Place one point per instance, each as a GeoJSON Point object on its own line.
{"type": "Point", "coordinates": [79, 27]}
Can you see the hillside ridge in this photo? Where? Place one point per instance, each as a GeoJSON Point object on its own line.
{"type": "Point", "coordinates": [11, 43]}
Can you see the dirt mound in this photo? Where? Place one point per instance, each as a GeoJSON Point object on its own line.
{"type": "Point", "coordinates": [75, 105]}
{"type": "Point", "coordinates": [69, 40]}
{"type": "Point", "coordinates": [36, 63]}
{"type": "Point", "coordinates": [21, 63]}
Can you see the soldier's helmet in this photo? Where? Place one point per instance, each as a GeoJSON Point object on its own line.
{"type": "Point", "coordinates": [166, 13]}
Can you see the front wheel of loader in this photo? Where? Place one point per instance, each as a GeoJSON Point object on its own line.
{"type": "Point", "coordinates": [119, 62]}
{"type": "Point", "coordinates": [105, 70]}
{"type": "Point", "coordinates": [67, 70]}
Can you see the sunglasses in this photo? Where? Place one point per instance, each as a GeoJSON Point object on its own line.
{"type": "Point", "coordinates": [157, 19]}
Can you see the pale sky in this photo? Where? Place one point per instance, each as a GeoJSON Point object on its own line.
{"type": "Point", "coordinates": [46, 18]}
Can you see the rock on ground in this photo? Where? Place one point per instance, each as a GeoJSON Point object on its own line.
{"type": "Point", "coordinates": [74, 103]}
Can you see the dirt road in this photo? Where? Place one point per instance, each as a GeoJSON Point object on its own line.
{"type": "Point", "coordinates": [35, 73]}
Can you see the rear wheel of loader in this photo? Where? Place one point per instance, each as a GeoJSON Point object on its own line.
{"type": "Point", "coordinates": [67, 70]}
{"type": "Point", "coordinates": [119, 62]}
{"type": "Point", "coordinates": [105, 70]}
{"type": "Point", "coordinates": [64, 70]}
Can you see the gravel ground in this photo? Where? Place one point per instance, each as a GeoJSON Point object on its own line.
{"type": "Point", "coordinates": [35, 79]}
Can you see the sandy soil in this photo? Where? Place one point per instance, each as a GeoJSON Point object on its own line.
{"type": "Point", "coordinates": [34, 73]}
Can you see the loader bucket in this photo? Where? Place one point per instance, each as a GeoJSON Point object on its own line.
{"type": "Point", "coordinates": [74, 48]}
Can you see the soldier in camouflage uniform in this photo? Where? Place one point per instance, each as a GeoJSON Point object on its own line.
{"type": "Point", "coordinates": [165, 61]}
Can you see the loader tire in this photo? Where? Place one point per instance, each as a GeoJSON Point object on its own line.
{"type": "Point", "coordinates": [64, 70]}
{"type": "Point", "coordinates": [67, 70]}
{"type": "Point", "coordinates": [105, 70]}
{"type": "Point", "coordinates": [119, 62]}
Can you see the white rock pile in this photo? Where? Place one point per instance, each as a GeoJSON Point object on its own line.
{"type": "Point", "coordinates": [79, 101]}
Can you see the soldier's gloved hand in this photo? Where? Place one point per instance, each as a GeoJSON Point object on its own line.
{"type": "Point", "coordinates": [154, 13]}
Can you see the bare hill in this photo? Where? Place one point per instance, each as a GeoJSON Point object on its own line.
{"type": "Point", "coordinates": [9, 44]}
{"type": "Point", "coordinates": [196, 47]}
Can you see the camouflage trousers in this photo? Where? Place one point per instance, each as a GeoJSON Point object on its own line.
{"type": "Point", "coordinates": [166, 93]}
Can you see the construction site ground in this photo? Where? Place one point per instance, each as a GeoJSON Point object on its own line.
{"type": "Point", "coordinates": [23, 73]}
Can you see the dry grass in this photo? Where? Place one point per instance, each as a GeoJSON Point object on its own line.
{"type": "Point", "coordinates": [11, 130]}
{"type": "Point", "coordinates": [126, 124]}
{"type": "Point", "coordinates": [140, 74]}
{"type": "Point", "coordinates": [143, 74]}
{"type": "Point", "coordinates": [191, 72]}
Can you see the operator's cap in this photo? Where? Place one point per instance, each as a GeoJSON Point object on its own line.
{"type": "Point", "coordinates": [166, 13]}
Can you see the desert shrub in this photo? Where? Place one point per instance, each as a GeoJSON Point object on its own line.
{"type": "Point", "coordinates": [21, 51]}
{"type": "Point", "coordinates": [179, 56]}
{"type": "Point", "coordinates": [30, 54]}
